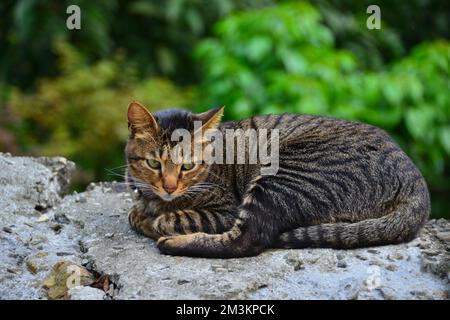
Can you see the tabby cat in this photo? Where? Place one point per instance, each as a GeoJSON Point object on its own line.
{"type": "Point", "coordinates": [340, 184]}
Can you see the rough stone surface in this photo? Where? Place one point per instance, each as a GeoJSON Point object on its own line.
{"type": "Point", "coordinates": [39, 228]}
{"type": "Point", "coordinates": [85, 293]}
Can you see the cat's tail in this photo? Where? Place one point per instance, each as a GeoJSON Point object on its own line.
{"type": "Point", "coordinates": [401, 225]}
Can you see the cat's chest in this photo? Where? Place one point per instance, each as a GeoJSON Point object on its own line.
{"type": "Point", "coordinates": [158, 207]}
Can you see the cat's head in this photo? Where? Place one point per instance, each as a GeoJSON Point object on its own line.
{"type": "Point", "coordinates": [150, 150]}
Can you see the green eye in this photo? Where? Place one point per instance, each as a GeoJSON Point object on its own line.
{"type": "Point", "coordinates": [187, 166]}
{"type": "Point", "coordinates": [154, 164]}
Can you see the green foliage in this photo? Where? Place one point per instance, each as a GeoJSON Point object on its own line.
{"type": "Point", "coordinates": [156, 35]}
{"type": "Point", "coordinates": [348, 24]}
{"type": "Point", "coordinates": [282, 59]}
{"type": "Point", "coordinates": [81, 114]}
{"type": "Point", "coordinates": [404, 25]}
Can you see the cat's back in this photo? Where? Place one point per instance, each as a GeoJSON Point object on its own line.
{"type": "Point", "coordinates": [317, 143]}
{"type": "Point", "coordinates": [295, 127]}
{"type": "Point", "coordinates": [358, 161]}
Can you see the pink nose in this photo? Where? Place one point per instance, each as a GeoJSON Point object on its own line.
{"type": "Point", "coordinates": [170, 188]}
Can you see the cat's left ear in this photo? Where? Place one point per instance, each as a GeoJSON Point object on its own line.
{"type": "Point", "coordinates": [211, 118]}
{"type": "Point", "coordinates": [139, 118]}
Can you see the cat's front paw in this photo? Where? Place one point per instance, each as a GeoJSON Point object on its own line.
{"type": "Point", "coordinates": [183, 245]}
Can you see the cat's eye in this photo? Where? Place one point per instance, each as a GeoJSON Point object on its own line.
{"type": "Point", "coordinates": [187, 166]}
{"type": "Point", "coordinates": [154, 164]}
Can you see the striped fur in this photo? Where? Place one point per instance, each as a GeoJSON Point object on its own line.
{"type": "Point", "coordinates": [341, 184]}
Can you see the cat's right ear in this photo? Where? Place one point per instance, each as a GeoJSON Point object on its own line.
{"type": "Point", "coordinates": [140, 119]}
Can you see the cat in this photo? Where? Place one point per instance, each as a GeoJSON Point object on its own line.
{"type": "Point", "coordinates": [340, 184]}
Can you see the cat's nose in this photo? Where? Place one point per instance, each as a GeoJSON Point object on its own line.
{"type": "Point", "coordinates": [170, 183]}
{"type": "Point", "coordinates": [169, 188]}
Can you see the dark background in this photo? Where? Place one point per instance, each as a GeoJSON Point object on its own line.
{"type": "Point", "coordinates": [65, 92]}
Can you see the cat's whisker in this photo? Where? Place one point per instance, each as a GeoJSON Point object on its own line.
{"type": "Point", "coordinates": [209, 185]}
{"type": "Point", "coordinates": [117, 174]}
{"type": "Point", "coordinates": [118, 167]}
{"type": "Point", "coordinates": [142, 186]}
{"type": "Point", "coordinates": [194, 190]}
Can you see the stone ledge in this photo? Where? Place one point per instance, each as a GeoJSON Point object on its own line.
{"type": "Point", "coordinates": [40, 227]}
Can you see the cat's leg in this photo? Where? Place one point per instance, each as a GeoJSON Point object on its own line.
{"type": "Point", "coordinates": [259, 218]}
{"type": "Point", "coordinates": [142, 223]}
{"type": "Point", "coordinates": [192, 221]}
{"type": "Point", "coordinates": [180, 222]}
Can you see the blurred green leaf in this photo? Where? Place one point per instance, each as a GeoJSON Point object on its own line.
{"type": "Point", "coordinates": [444, 135]}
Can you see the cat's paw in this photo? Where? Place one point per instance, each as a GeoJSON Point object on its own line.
{"type": "Point", "coordinates": [177, 245]}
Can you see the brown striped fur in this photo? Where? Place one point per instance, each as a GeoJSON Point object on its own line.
{"type": "Point", "coordinates": [340, 184]}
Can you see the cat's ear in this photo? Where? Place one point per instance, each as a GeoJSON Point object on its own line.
{"type": "Point", "coordinates": [139, 118]}
{"type": "Point", "coordinates": [211, 118]}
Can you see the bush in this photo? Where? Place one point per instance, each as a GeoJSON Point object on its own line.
{"type": "Point", "coordinates": [283, 59]}
{"type": "Point", "coordinates": [81, 114]}
{"type": "Point", "coordinates": [157, 35]}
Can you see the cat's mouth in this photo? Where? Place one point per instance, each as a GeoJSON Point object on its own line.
{"type": "Point", "coordinates": [165, 196]}
{"type": "Point", "coordinates": [168, 197]}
